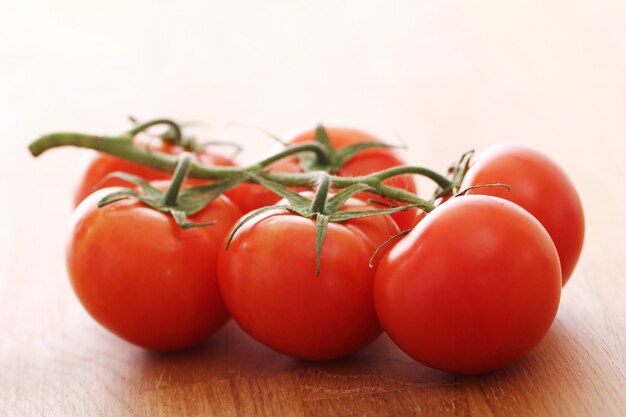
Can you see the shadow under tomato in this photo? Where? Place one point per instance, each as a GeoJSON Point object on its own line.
{"type": "Point", "coordinates": [240, 372]}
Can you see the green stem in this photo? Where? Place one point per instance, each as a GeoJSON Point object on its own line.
{"type": "Point", "coordinates": [323, 185]}
{"type": "Point", "coordinates": [170, 198]}
{"type": "Point", "coordinates": [322, 154]}
{"type": "Point", "coordinates": [178, 135]}
{"type": "Point", "coordinates": [402, 195]}
{"type": "Point", "coordinates": [442, 181]}
{"type": "Point", "coordinates": [123, 147]}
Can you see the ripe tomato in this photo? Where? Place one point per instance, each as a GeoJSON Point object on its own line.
{"type": "Point", "coordinates": [143, 277]}
{"type": "Point", "coordinates": [269, 284]}
{"type": "Point", "coordinates": [99, 165]}
{"type": "Point", "coordinates": [473, 287]}
{"type": "Point", "coordinates": [541, 187]}
{"type": "Point", "coordinates": [366, 162]}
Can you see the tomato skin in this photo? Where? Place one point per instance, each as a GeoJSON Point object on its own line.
{"type": "Point", "coordinates": [269, 284]}
{"type": "Point", "coordinates": [144, 278]}
{"type": "Point", "coordinates": [475, 286]}
{"type": "Point", "coordinates": [367, 162]}
{"type": "Point", "coordinates": [99, 165]}
{"type": "Point", "coordinates": [541, 187]}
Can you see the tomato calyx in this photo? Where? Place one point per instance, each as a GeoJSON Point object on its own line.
{"type": "Point", "coordinates": [456, 173]}
{"type": "Point", "coordinates": [385, 243]}
{"type": "Point", "coordinates": [323, 208]}
{"type": "Point", "coordinates": [338, 157]}
{"type": "Point", "coordinates": [474, 187]}
{"type": "Point", "coordinates": [180, 203]}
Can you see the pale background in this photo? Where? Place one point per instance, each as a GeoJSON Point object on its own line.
{"type": "Point", "coordinates": [445, 76]}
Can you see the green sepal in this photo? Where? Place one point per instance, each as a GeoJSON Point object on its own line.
{"type": "Point", "coordinates": [245, 219]}
{"type": "Point", "coordinates": [180, 217]}
{"type": "Point", "coordinates": [144, 185]}
{"type": "Point", "coordinates": [375, 202]}
{"type": "Point", "coordinates": [335, 202]}
{"type": "Point", "coordinates": [385, 243]}
{"type": "Point", "coordinates": [153, 201]}
{"type": "Point", "coordinates": [342, 216]}
{"type": "Point", "coordinates": [473, 187]}
{"type": "Point", "coordinates": [321, 136]}
{"type": "Point", "coordinates": [178, 203]}
{"type": "Point", "coordinates": [296, 200]}
{"type": "Point", "coordinates": [308, 160]}
{"type": "Point", "coordinates": [195, 199]}
{"type": "Point", "coordinates": [117, 196]}
{"type": "Point", "coordinates": [321, 227]}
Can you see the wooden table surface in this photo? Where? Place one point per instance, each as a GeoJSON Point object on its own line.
{"type": "Point", "coordinates": [443, 76]}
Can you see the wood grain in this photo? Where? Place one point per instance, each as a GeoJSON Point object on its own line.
{"type": "Point", "coordinates": [446, 76]}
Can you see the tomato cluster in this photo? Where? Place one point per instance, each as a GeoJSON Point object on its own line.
{"type": "Point", "coordinates": [474, 285]}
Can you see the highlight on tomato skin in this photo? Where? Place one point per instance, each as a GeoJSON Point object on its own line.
{"type": "Point", "coordinates": [475, 286]}
{"type": "Point", "coordinates": [540, 186]}
{"type": "Point", "coordinates": [270, 286]}
{"type": "Point", "coordinates": [143, 277]}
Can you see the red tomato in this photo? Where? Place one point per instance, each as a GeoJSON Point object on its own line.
{"type": "Point", "coordinates": [541, 187]}
{"type": "Point", "coordinates": [100, 165]}
{"type": "Point", "coordinates": [366, 162]}
{"type": "Point", "coordinates": [269, 283]}
{"type": "Point", "coordinates": [473, 287]}
{"type": "Point", "coordinates": [143, 277]}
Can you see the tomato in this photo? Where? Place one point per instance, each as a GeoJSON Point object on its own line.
{"type": "Point", "coordinates": [541, 187]}
{"type": "Point", "coordinates": [143, 277]}
{"type": "Point", "coordinates": [366, 162]}
{"type": "Point", "coordinates": [269, 284]}
{"type": "Point", "coordinates": [99, 165]}
{"type": "Point", "coordinates": [475, 286]}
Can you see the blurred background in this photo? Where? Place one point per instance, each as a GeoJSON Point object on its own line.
{"type": "Point", "coordinates": [443, 77]}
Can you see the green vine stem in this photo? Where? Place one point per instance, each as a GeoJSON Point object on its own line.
{"type": "Point", "coordinates": [178, 135]}
{"type": "Point", "coordinates": [320, 152]}
{"type": "Point", "coordinates": [441, 181]}
{"type": "Point", "coordinates": [323, 186]}
{"type": "Point", "coordinates": [123, 147]}
{"type": "Point", "coordinates": [170, 198]}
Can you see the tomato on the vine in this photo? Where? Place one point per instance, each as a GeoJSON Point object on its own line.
{"type": "Point", "coordinates": [269, 284]}
{"type": "Point", "coordinates": [538, 185]}
{"type": "Point", "coordinates": [366, 162]}
{"type": "Point", "coordinates": [99, 165]}
{"type": "Point", "coordinates": [142, 276]}
{"type": "Point", "coordinates": [473, 287]}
